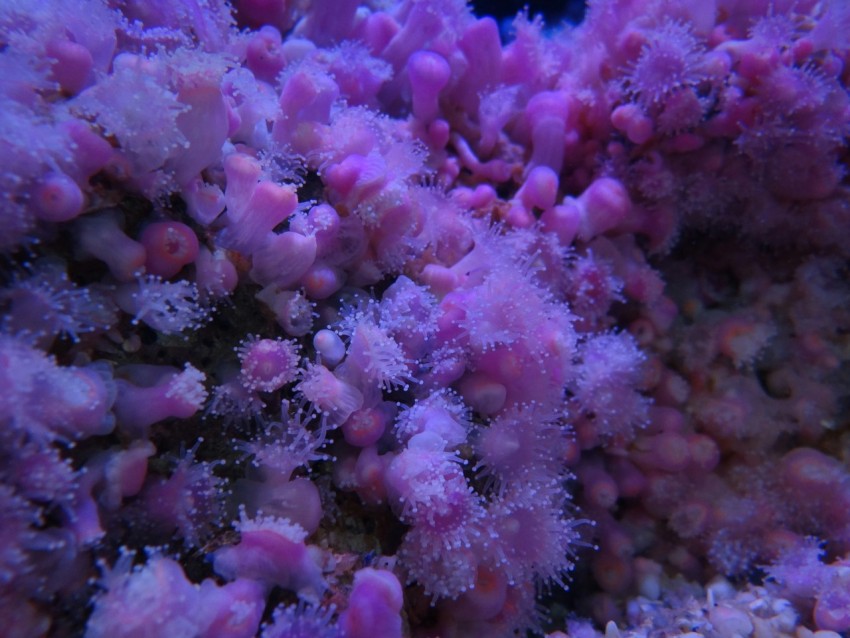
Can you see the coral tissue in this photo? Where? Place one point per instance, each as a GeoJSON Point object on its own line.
{"type": "Point", "coordinates": [338, 319]}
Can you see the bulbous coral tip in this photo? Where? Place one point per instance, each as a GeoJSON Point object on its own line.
{"type": "Point", "coordinates": [605, 204]}
{"type": "Point", "coordinates": [539, 189]}
{"type": "Point", "coordinates": [329, 346]}
{"type": "Point", "coordinates": [429, 73]}
{"type": "Point", "coordinates": [168, 246]}
{"type": "Point", "coordinates": [264, 55]}
{"type": "Point", "coordinates": [58, 198]}
{"type": "Point", "coordinates": [365, 426]}
{"type": "Point", "coordinates": [374, 607]}
{"type": "Point", "coordinates": [283, 259]}
{"type": "Point", "coordinates": [72, 64]}
{"type": "Point", "coordinates": [832, 609]}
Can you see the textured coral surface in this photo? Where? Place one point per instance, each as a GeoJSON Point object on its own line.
{"type": "Point", "coordinates": [321, 318]}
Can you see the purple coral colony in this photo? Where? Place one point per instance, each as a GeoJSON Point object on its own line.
{"type": "Point", "coordinates": [327, 319]}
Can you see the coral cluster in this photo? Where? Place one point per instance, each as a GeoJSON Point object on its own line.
{"type": "Point", "coordinates": [329, 318]}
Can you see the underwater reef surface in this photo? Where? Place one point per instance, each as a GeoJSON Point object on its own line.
{"type": "Point", "coordinates": [351, 320]}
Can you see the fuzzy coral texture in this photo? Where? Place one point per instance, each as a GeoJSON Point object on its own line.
{"type": "Point", "coordinates": [322, 318]}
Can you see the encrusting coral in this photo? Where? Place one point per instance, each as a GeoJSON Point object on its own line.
{"type": "Point", "coordinates": [339, 319]}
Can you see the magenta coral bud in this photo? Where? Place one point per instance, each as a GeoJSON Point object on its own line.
{"type": "Point", "coordinates": [546, 114]}
{"type": "Point", "coordinates": [295, 49]}
{"type": "Point", "coordinates": [704, 452]}
{"type": "Point", "coordinates": [85, 396]}
{"type": "Point", "coordinates": [438, 134]}
{"type": "Point", "coordinates": [832, 607]}
{"type": "Point", "coordinates": [101, 236]}
{"type": "Point", "coordinates": [539, 189]}
{"type": "Point", "coordinates": [270, 204]}
{"type": "Point", "coordinates": [429, 73]}
{"type": "Point", "coordinates": [90, 151]}
{"type": "Point", "coordinates": [365, 426]}
{"type": "Point", "coordinates": [169, 246]}
{"type": "Point", "coordinates": [367, 475]}
{"type": "Point", "coordinates": [324, 223]}
{"type": "Point", "coordinates": [482, 49]}
{"type": "Point", "coordinates": [329, 346]}
{"type": "Point", "coordinates": [380, 27]}
{"type": "Point", "coordinates": [518, 216]}
{"type": "Point", "coordinates": [668, 452]}
{"type": "Point", "coordinates": [58, 198]}
{"type": "Point", "coordinates": [630, 120]}
{"type": "Point", "coordinates": [268, 364]}
{"type": "Point", "coordinates": [482, 196]}
{"type": "Point", "coordinates": [605, 204]}
{"type": "Point", "coordinates": [342, 176]}
{"type": "Point", "coordinates": [322, 280]}
{"type": "Point", "coordinates": [144, 601]}
{"type": "Point", "coordinates": [71, 65]}
{"type": "Point", "coordinates": [158, 600]}
{"type": "Point", "coordinates": [306, 100]}
{"type": "Point", "coordinates": [80, 402]}
{"type": "Point", "coordinates": [204, 202]}
{"type": "Point", "coordinates": [357, 177]}
{"type": "Point", "coordinates": [374, 607]}
{"type": "Point", "coordinates": [283, 259]}
{"type": "Point", "coordinates": [666, 419]}
{"type": "Point", "coordinates": [169, 394]}
{"type": "Point", "coordinates": [563, 221]}
{"type": "Point", "coordinates": [264, 56]}
{"type": "Point", "coordinates": [297, 500]}
{"type": "Point", "coordinates": [439, 279]}
{"type": "Point", "coordinates": [642, 283]}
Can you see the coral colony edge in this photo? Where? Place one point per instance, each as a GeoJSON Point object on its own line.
{"type": "Point", "coordinates": [322, 319]}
